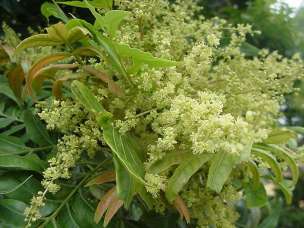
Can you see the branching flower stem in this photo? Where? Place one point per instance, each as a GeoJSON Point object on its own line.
{"type": "Point", "coordinates": [80, 184]}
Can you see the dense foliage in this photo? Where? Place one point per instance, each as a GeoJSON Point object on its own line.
{"type": "Point", "coordinates": [153, 108]}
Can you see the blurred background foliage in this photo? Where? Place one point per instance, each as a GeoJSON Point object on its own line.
{"type": "Point", "coordinates": [282, 29]}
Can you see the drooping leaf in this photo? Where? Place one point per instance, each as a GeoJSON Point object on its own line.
{"type": "Point", "coordinates": [254, 172]}
{"type": "Point", "coordinates": [286, 156]}
{"type": "Point", "coordinates": [16, 78]}
{"type": "Point", "coordinates": [115, 205]}
{"type": "Point", "coordinates": [28, 162]}
{"type": "Point", "coordinates": [287, 191]}
{"type": "Point", "coordinates": [271, 161]}
{"type": "Point", "coordinates": [103, 204]}
{"type": "Point", "coordinates": [182, 208]}
{"type": "Point", "coordinates": [220, 169]}
{"type": "Point", "coordinates": [280, 136]}
{"type": "Point", "coordinates": [96, 3]}
{"type": "Point", "coordinates": [104, 177]}
{"type": "Point", "coordinates": [113, 87]}
{"type": "Point", "coordinates": [49, 9]}
{"type": "Point", "coordinates": [167, 161]}
{"type": "Point", "coordinates": [57, 85]}
{"type": "Point", "coordinates": [36, 130]}
{"type": "Point", "coordinates": [183, 173]}
{"type": "Point", "coordinates": [34, 79]}
{"type": "Point", "coordinates": [255, 195]}
{"type": "Point", "coordinates": [111, 21]}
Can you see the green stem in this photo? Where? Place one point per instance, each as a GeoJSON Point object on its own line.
{"type": "Point", "coordinates": [53, 216]}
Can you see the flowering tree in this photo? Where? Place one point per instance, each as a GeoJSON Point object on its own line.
{"type": "Point", "coordinates": [152, 107]}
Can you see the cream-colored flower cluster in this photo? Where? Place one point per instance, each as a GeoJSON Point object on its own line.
{"type": "Point", "coordinates": [215, 100]}
{"type": "Point", "coordinates": [81, 134]}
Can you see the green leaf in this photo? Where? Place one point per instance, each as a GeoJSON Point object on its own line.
{"type": "Point", "coordinates": [255, 195]}
{"type": "Point", "coordinates": [183, 173]}
{"type": "Point", "coordinates": [123, 148]}
{"type": "Point", "coordinates": [111, 21]}
{"type": "Point", "coordinates": [12, 130]}
{"type": "Point", "coordinates": [77, 214]}
{"type": "Point", "coordinates": [77, 33]}
{"type": "Point", "coordinates": [272, 220]}
{"type": "Point", "coordinates": [255, 172]}
{"type": "Point", "coordinates": [83, 94]}
{"type": "Point", "coordinates": [19, 185]}
{"type": "Point", "coordinates": [96, 3]}
{"type": "Point", "coordinates": [299, 130]}
{"type": "Point", "coordinates": [220, 169]}
{"type": "Point", "coordinates": [125, 183]}
{"type": "Point", "coordinates": [10, 36]}
{"type": "Point", "coordinates": [12, 145]}
{"type": "Point", "coordinates": [7, 91]}
{"type": "Point", "coordinates": [106, 44]}
{"type": "Point", "coordinates": [280, 136]}
{"type": "Point", "coordinates": [5, 121]}
{"type": "Point", "coordinates": [40, 40]}
{"type": "Point", "coordinates": [28, 162]}
{"type": "Point", "coordinates": [287, 191]}
{"type": "Point", "coordinates": [286, 156]}
{"type": "Point", "coordinates": [36, 130]}
{"type": "Point", "coordinates": [12, 213]}
{"type": "Point", "coordinates": [167, 161]}
{"type": "Point", "coordinates": [271, 161]}
{"type": "Point", "coordinates": [49, 9]}
{"type": "Point", "coordinates": [141, 58]}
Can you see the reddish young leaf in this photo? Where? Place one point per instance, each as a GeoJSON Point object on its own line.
{"type": "Point", "coordinates": [107, 176]}
{"type": "Point", "coordinates": [104, 204]}
{"type": "Point", "coordinates": [40, 64]}
{"type": "Point", "coordinates": [114, 207]}
{"type": "Point", "coordinates": [181, 207]}
{"type": "Point", "coordinates": [50, 71]}
{"type": "Point", "coordinates": [16, 79]}
{"type": "Point", "coordinates": [113, 87]}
